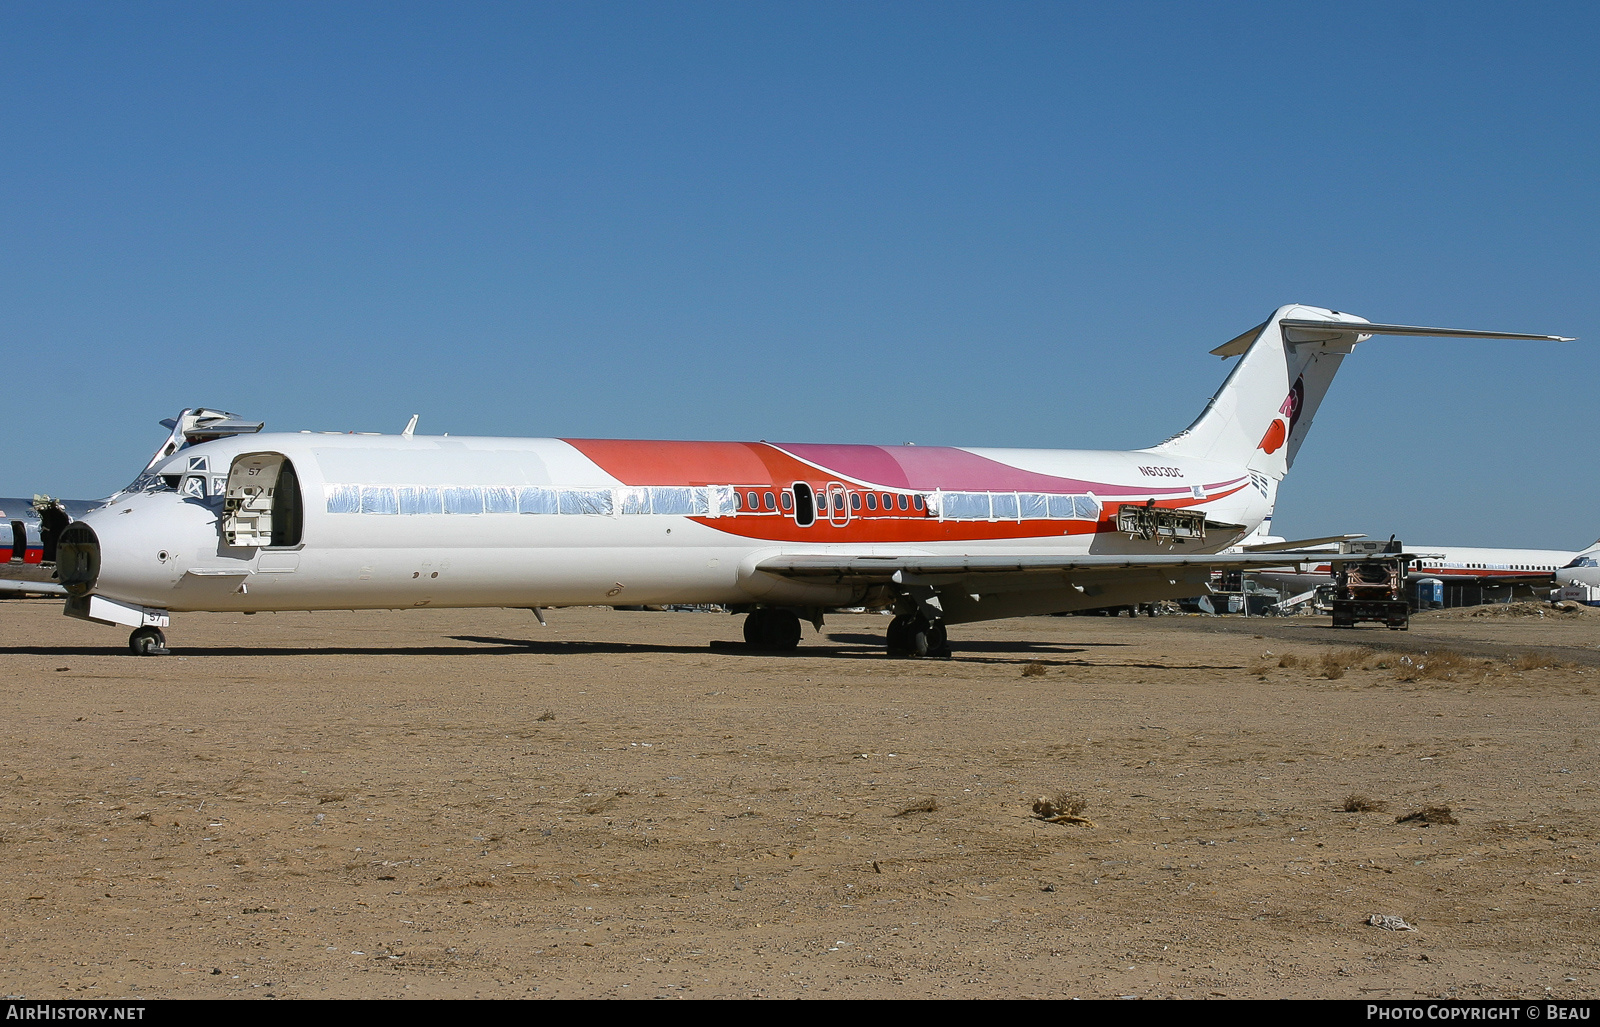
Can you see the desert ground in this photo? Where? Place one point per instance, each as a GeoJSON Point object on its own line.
{"type": "Point", "coordinates": [634, 805]}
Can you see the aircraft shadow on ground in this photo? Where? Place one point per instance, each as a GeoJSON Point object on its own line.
{"type": "Point", "coordinates": [197, 651]}
{"type": "Point", "coordinates": [990, 646]}
{"type": "Point", "coordinates": [847, 646]}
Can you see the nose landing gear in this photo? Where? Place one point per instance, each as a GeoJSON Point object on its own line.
{"type": "Point", "coordinates": [916, 636]}
{"type": "Point", "coordinates": [148, 642]}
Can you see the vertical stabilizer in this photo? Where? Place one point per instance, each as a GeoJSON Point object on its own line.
{"type": "Point", "coordinates": [1263, 411]}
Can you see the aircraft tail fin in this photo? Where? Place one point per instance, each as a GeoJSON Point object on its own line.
{"type": "Point", "coordinates": [1263, 411]}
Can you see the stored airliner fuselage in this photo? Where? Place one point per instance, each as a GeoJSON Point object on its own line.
{"type": "Point", "coordinates": [310, 521]}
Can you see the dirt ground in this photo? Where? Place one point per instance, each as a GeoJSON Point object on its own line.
{"type": "Point", "coordinates": [463, 803]}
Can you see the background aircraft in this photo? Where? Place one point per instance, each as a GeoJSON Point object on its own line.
{"type": "Point", "coordinates": [29, 531]}
{"type": "Point", "coordinates": [1457, 567]}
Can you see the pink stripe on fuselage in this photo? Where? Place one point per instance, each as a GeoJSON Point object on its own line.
{"type": "Point", "coordinates": [926, 468]}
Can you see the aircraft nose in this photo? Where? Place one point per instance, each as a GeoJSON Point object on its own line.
{"type": "Point", "coordinates": [78, 559]}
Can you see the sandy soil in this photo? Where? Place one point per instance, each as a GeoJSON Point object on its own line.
{"type": "Point", "coordinates": [442, 804]}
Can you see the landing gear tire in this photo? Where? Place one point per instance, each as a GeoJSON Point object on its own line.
{"type": "Point", "coordinates": [772, 630]}
{"type": "Point", "coordinates": [148, 642]}
{"type": "Point", "coordinates": [916, 637]}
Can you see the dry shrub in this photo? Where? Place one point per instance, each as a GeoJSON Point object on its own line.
{"type": "Point", "coordinates": [546, 715]}
{"type": "Point", "coordinates": [1334, 664]}
{"type": "Point", "coordinates": [1429, 815]}
{"type": "Point", "coordinates": [1358, 803]}
{"type": "Point", "coordinates": [1061, 804]}
{"type": "Point", "coordinates": [1062, 808]}
{"type": "Point", "coordinates": [604, 804]}
{"type": "Point", "coordinates": [1288, 660]}
{"type": "Point", "coordinates": [927, 805]}
{"type": "Point", "coordinates": [1443, 665]}
{"type": "Point", "coordinates": [1034, 669]}
{"type": "Point", "coordinates": [1538, 661]}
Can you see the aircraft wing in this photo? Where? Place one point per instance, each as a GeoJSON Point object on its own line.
{"type": "Point", "coordinates": [949, 569]}
{"type": "Point", "coordinates": [35, 588]}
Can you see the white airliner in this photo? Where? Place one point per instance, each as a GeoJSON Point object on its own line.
{"type": "Point", "coordinates": [228, 519]}
{"type": "Point", "coordinates": [1583, 569]}
{"type": "Point", "coordinates": [1451, 564]}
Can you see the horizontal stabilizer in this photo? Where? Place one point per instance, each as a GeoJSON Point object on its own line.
{"type": "Point", "coordinates": [1298, 330]}
{"type": "Point", "coordinates": [1299, 543]}
{"type": "Point", "coordinates": [1346, 328]}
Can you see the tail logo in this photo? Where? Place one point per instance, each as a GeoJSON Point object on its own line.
{"type": "Point", "coordinates": [1289, 415]}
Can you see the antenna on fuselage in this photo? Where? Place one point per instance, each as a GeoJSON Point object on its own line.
{"type": "Point", "coordinates": [411, 426]}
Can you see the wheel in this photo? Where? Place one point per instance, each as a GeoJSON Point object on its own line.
{"type": "Point", "coordinates": [752, 628]}
{"type": "Point", "coordinates": [148, 642]}
{"type": "Point", "coordinates": [899, 636]}
{"type": "Point", "coordinates": [781, 632]}
{"type": "Point", "coordinates": [916, 637]}
{"type": "Point", "coordinates": [777, 630]}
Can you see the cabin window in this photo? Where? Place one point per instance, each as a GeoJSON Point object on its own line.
{"type": "Point", "coordinates": [681, 501]}
{"type": "Point", "coordinates": [585, 501]}
{"type": "Point", "coordinates": [872, 500]}
{"type": "Point", "coordinates": [537, 501]}
{"type": "Point", "coordinates": [419, 499]}
{"type": "Point", "coordinates": [378, 499]}
{"type": "Point", "coordinates": [855, 501]}
{"type": "Point", "coordinates": [464, 501]}
{"type": "Point", "coordinates": [787, 501]}
{"type": "Point", "coordinates": [768, 504]}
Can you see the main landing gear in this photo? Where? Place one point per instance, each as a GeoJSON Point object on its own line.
{"type": "Point", "coordinates": [777, 630]}
{"type": "Point", "coordinates": [916, 636]}
{"type": "Point", "coordinates": [148, 642]}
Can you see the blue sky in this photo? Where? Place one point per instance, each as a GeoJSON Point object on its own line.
{"type": "Point", "coordinates": [989, 224]}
